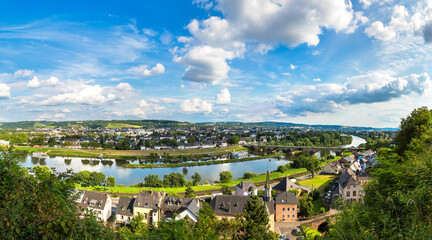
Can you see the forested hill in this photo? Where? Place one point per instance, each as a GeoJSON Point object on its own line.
{"type": "Point", "coordinates": [176, 124]}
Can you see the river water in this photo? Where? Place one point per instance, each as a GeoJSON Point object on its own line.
{"type": "Point", "coordinates": [128, 176]}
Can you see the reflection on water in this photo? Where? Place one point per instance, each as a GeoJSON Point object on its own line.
{"type": "Point", "coordinates": [128, 176]}
{"type": "Point", "coordinates": [355, 142]}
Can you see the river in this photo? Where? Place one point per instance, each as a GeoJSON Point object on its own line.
{"type": "Point", "coordinates": [128, 176]}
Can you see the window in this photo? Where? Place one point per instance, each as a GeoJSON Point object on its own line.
{"type": "Point", "coordinates": [348, 187]}
{"type": "Point", "coordinates": [293, 216]}
{"type": "Point", "coordinates": [288, 216]}
{"type": "Point", "coordinates": [354, 193]}
{"type": "Point", "coordinates": [122, 217]}
{"type": "Point", "coordinates": [283, 209]}
{"type": "Point", "coordinates": [348, 193]}
{"type": "Point", "coordinates": [145, 215]}
{"type": "Point", "coordinates": [282, 200]}
{"type": "Point", "coordinates": [293, 209]}
{"type": "Point", "coordinates": [283, 217]}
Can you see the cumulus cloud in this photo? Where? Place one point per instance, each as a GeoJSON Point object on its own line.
{"type": "Point", "coordinates": [317, 80]}
{"type": "Point", "coordinates": [224, 97]}
{"type": "Point", "coordinates": [286, 73]}
{"type": "Point", "coordinates": [427, 33]}
{"type": "Point", "coordinates": [4, 91]}
{"type": "Point", "coordinates": [144, 71]}
{"type": "Point", "coordinates": [196, 105]}
{"type": "Point", "coordinates": [370, 88]}
{"type": "Point", "coordinates": [205, 64]}
{"type": "Point", "coordinates": [124, 87]}
{"type": "Point", "coordinates": [23, 73]}
{"type": "Point", "coordinates": [34, 83]}
{"type": "Point", "coordinates": [81, 94]}
{"type": "Point", "coordinates": [51, 81]}
{"type": "Point", "coordinates": [293, 67]}
{"type": "Point", "coordinates": [144, 108]}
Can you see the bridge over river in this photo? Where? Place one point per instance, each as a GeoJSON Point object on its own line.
{"type": "Point", "coordinates": [291, 149]}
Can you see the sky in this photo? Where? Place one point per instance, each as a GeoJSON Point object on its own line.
{"type": "Point", "coordinates": [357, 63]}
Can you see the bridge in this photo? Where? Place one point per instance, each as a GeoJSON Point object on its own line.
{"type": "Point", "coordinates": [319, 222]}
{"type": "Point", "coordinates": [291, 149]}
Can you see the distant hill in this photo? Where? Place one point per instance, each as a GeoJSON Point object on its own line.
{"type": "Point", "coordinates": [176, 124]}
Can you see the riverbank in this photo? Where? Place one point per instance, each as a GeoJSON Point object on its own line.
{"type": "Point", "coordinates": [191, 164]}
{"type": "Point", "coordinates": [126, 154]}
{"type": "Point", "coordinates": [208, 188]}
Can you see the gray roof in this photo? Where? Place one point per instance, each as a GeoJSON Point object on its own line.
{"type": "Point", "coordinates": [178, 205]}
{"type": "Point", "coordinates": [228, 205]}
{"type": "Point", "coordinates": [246, 186]}
{"type": "Point", "coordinates": [94, 200]}
{"type": "Point", "coordinates": [285, 185]}
{"type": "Point", "coordinates": [148, 199]}
{"type": "Point", "coordinates": [286, 198]}
{"type": "Point", "coordinates": [125, 206]}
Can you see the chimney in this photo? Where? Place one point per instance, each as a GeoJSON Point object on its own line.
{"type": "Point", "coordinates": [229, 207]}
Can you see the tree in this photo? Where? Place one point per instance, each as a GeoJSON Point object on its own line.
{"type": "Point", "coordinates": [206, 226]}
{"type": "Point", "coordinates": [174, 179]}
{"type": "Point", "coordinates": [123, 144]}
{"type": "Point", "coordinates": [108, 145]}
{"type": "Point", "coordinates": [226, 190]}
{"type": "Point", "coordinates": [233, 140]}
{"type": "Point", "coordinates": [312, 164]}
{"type": "Point", "coordinates": [189, 192]}
{"type": "Point", "coordinates": [94, 144]}
{"type": "Point", "coordinates": [256, 220]}
{"type": "Point", "coordinates": [85, 144]}
{"type": "Point", "coordinates": [83, 177]}
{"type": "Point", "coordinates": [111, 181]}
{"type": "Point", "coordinates": [96, 178]}
{"type": "Point", "coordinates": [52, 142]}
{"type": "Point", "coordinates": [31, 210]}
{"type": "Point", "coordinates": [191, 140]}
{"type": "Point", "coordinates": [247, 175]}
{"type": "Point", "coordinates": [196, 178]}
{"type": "Point", "coordinates": [42, 173]}
{"type": "Point", "coordinates": [37, 141]}
{"type": "Point", "coordinates": [225, 176]}
{"type": "Point", "coordinates": [306, 206]}
{"type": "Point", "coordinates": [153, 181]}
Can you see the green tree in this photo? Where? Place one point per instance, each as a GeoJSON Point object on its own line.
{"type": "Point", "coordinates": [111, 181]}
{"type": "Point", "coordinates": [312, 164]}
{"type": "Point", "coordinates": [256, 220]}
{"type": "Point", "coordinates": [94, 144]}
{"type": "Point", "coordinates": [52, 142]}
{"type": "Point", "coordinates": [206, 227]}
{"type": "Point", "coordinates": [306, 206]}
{"type": "Point", "coordinates": [225, 176]}
{"type": "Point", "coordinates": [226, 190]}
{"type": "Point", "coordinates": [123, 144]}
{"type": "Point", "coordinates": [85, 144]}
{"type": "Point", "coordinates": [174, 179]}
{"type": "Point", "coordinates": [37, 141]}
{"type": "Point", "coordinates": [233, 140]}
{"type": "Point", "coordinates": [189, 192]}
{"type": "Point", "coordinates": [196, 178]}
{"type": "Point", "coordinates": [83, 177]}
{"type": "Point", "coordinates": [191, 140]}
{"type": "Point", "coordinates": [247, 175]}
{"type": "Point", "coordinates": [96, 178]}
{"type": "Point", "coordinates": [42, 173]}
{"type": "Point", "coordinates": [153, 181]}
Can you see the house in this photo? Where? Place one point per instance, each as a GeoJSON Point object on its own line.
{"type": "Point", "coordinates": [148, 204]}
{"type": "Point", "coordinates": [285, 185]}
{"type": "Point", "coordinates": [351, 184]}
{"type": "Point", "coordinates": [4, 143]}
{"type": "Point", "coordinates": [238, 155]}
{"type": "Point", "coordinates": [124, 212]}
{"type": "Point", "coordinates": [227, 206]}
{"type": "Point", "coordinates": [347, 160]}
{"type": "Point", "coordinates": [332, 167]}
{"type": "Point", "coordinates": [286, 207]}
{"type": "Point", "coordinates": [182, 207]}
{"type": "Point", "coordinates": [98, 203]}
{"type": "Point", "coordinates": [208, 144]}
{"type": "Point", "coordinates": [246, 188]}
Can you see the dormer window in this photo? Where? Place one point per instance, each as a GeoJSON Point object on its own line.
{"type": "Point", "coordinates": [122, 207]}
{"type": "Point", "coordinates": [145, 204]}
{"type": "Point", "coordinates": [283, 200]}
{"type": "Point", "coordinates": [236, 205]}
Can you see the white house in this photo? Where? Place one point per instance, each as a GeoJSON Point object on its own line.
{"type": "Point", "coordinates": [98, 203]}
{"type": "Point", "coordinates": [124, 212]}
{"type": "Point", "coordinates": [246, 188]}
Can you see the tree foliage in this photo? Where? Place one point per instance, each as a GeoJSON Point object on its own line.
{"type": "Point", "coordinates": [225, 176]}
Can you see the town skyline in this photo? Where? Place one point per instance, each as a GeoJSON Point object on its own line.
{"type": "Point", "coordinates": [351, 63]}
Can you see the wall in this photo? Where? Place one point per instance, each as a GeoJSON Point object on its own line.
{"type": "Point", "coordinates": [280, 213]}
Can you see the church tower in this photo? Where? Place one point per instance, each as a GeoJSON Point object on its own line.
{"type": "Point", "coordinates": [267, 187]}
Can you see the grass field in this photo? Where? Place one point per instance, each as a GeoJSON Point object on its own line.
{"type": "Point", "coordinates": [317, 181]}
{"type": "Point", "coordinates": [122, 125]}
{"type": "Point", "coordinates": [125, 153]}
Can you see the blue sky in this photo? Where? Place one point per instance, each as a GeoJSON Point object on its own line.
{"type": "Point", "coordinates": [361, 62]}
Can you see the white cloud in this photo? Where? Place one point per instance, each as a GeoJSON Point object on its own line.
{"type": "Point", "coordinates": [66, 110]}
{"type": "Point", "coordinates": [379, 31]}
{"type": "Point", "coordinates": [124, 87]}
{"type": "Point", "coordinates": [196, 105]}
{"type": "Point", "coordinates": [144, 71]}
{"type": "Point", "coordinates": [51, 81]}
{"type": "Point", "coordinates": [59, 115]}
{"type": "Point", "coordinates": [4, 91]}
{"type": "Point", "coordinates": [224, 97]}
{"type": "Point", "coordinates": [292, 67]}
{"type": "Point", "coordinates": [23, 73]}
{"type": "Point", "coordinates": [205, 64]}
{"type": "Point", "coordinates": [317, 80]}
{"type": "Point", "coordinates": [286, 73]}
{"type": "Point", "coordinates": [34, 83]}
{"type": "Point", "coordinates": [149, 32]}
{"type": "Point", "coordinates": [81, 94]}
{"type": "Point", "coordinates": [369, 88]}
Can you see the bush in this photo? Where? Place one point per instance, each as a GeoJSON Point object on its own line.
{"type": "Point", "coordinates": [247, 175]}
{"type": "Point", "coordinates": [225, 176]}
{"type": "Point", "coordinates": [281, 168]}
